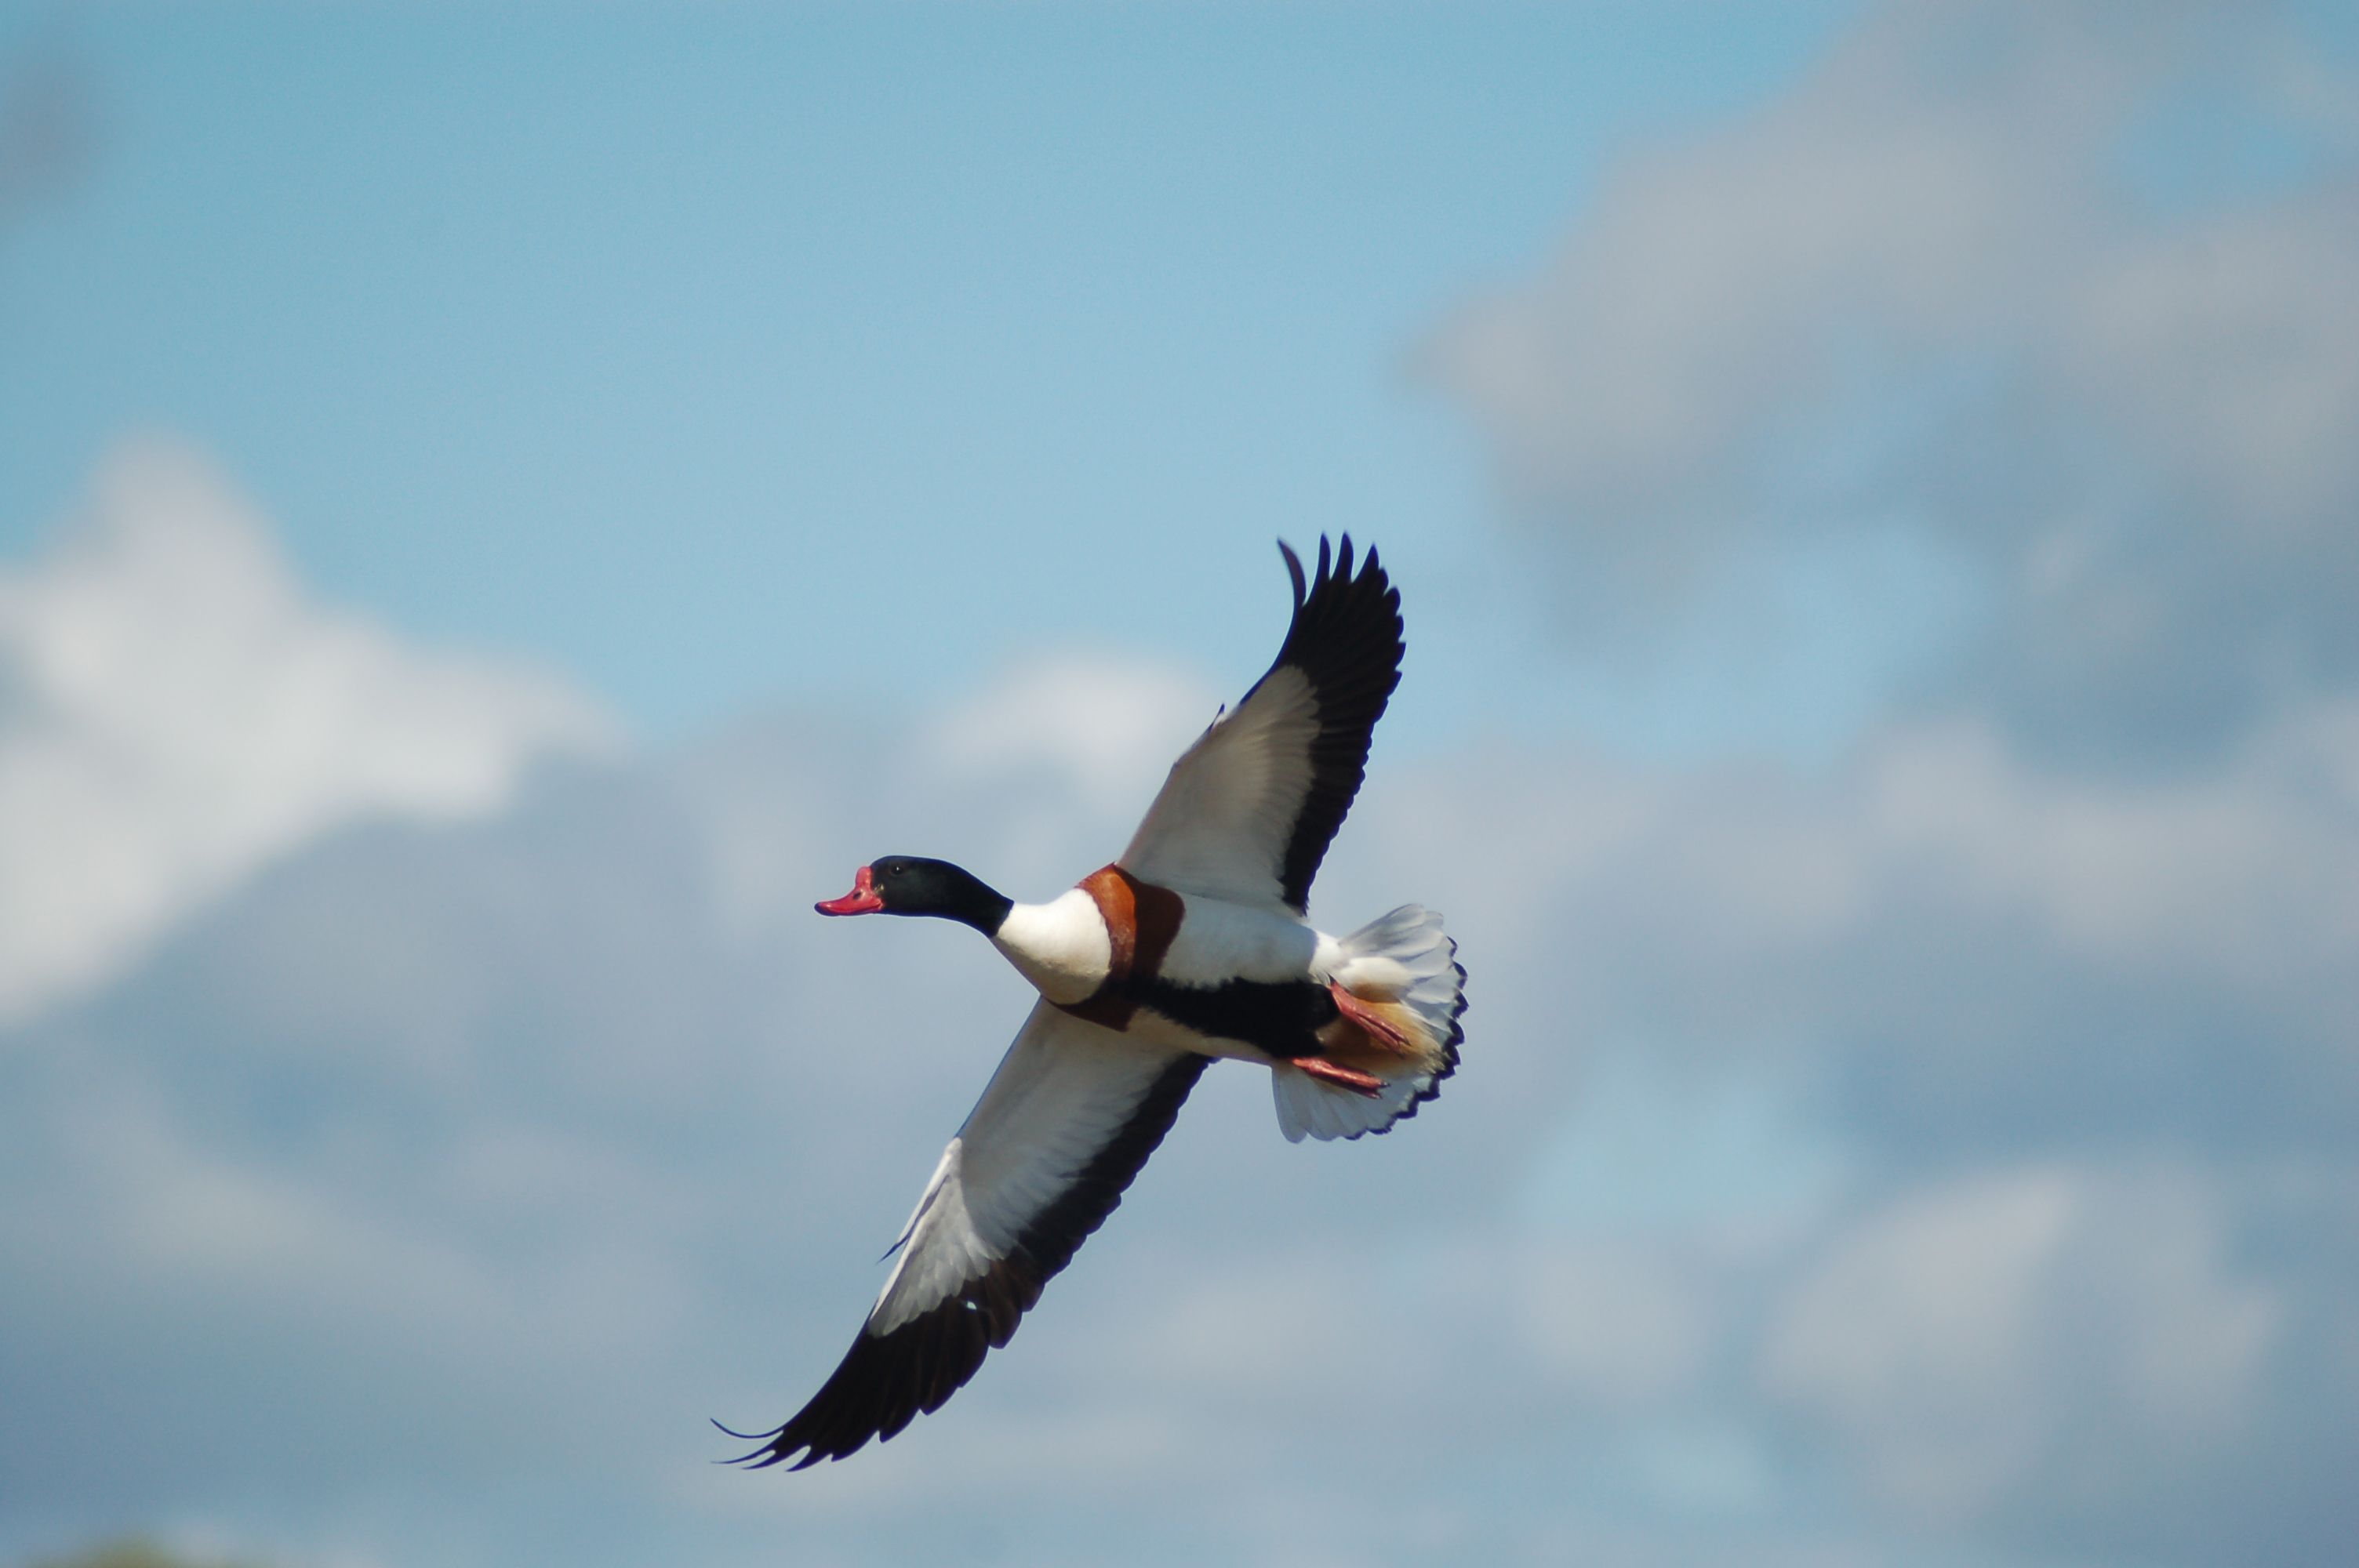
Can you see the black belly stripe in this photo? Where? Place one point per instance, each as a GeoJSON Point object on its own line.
{"type": "Point", "coordinates": [1280, 1017]}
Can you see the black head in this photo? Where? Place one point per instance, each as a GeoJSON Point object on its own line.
{"type": "Point", "coordinates": [908, 884]}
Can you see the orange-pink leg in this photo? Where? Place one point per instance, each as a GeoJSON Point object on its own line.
{"type": "Point", "coordinates": [1382, 1029]}
{"type": "Point", "coordinates": [1363, 1084]}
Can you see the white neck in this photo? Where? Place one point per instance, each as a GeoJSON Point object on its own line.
{"type": "Point", "coordinates": [1061, 946]}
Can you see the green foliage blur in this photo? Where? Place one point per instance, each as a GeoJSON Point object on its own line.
{"type": "Point", "coordinates": [134, 1553]}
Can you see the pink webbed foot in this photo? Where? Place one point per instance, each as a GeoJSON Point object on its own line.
{"type": "Point", "coordinates": [1378, 1027]}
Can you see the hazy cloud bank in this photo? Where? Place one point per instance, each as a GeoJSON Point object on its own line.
{"type": "Point", "coordinates": [1800, 1198]}
{"type": "Point", "coordinates": [175, 710]}
{"type": "Point", "coordinates": [1941, 1155]}
{"type": "Point", "coordinates": [1960, 293]}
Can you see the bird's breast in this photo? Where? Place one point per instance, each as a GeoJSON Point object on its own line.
{"type": "Point", "coordinates": [1141, 922]}
{"type": "Point", "coordinates": [1065, 947]}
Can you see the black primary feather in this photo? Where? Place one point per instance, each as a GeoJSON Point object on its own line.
{"type": "Point", "coordinates": [886, 1380]}
{"type": "Point", "coordinates": [1345, 638]}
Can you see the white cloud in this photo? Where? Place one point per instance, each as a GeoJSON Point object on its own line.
{"type": "Point", "coordinates": [1922, 1321]}
{"type": "Point", "coordinates": [2246, 870]}
{"type": "Point", "coordinates": [508, 1128]}
{"type": "Point", "coordinates": [1110, 724]}
{"type": "Point", "coordinates": [1752, 904]}
{"type": "Point", "coordinates": [551, 1133]}
{"type": "Point", "coordinates": [1069, 748]}
{"type": "Point", "coordinates": [1046, 762]}
{"type": "Point", "coordinates": [1629, 1324]}
{"type": "Point", "coordinates": [2058, 1341]}
{"type": "Point", "coordinates": [1925, 292]}
{"type": "Point", "coordinates": [621, 1135]}
{"type": "Point", "coordinates": [175, 711]}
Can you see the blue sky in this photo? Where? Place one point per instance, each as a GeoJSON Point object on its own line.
{"type": "Point", "coordinates": [501, 509]}
{"type": "Point", "coordinates": [656, 346]}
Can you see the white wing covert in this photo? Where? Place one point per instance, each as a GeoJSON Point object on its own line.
{"type": "Point", "coordinates": [1249, 809]}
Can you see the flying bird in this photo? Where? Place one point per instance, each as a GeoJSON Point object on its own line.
{"type": "Point", "coordinates": [1191, 946]}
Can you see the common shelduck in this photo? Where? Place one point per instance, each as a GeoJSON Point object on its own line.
{"type": "Point", "coordinates": [1191, 946]}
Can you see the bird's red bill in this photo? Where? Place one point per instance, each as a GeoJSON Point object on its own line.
{"type": "Point", "coordinates": [863, 898]}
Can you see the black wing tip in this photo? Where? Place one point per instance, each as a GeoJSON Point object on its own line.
{"type": "Point", "coordinates": [1347, 637]}
{"type": "Point", "coordinates": [886, 1380]}
{"type": "Point", "coordinates": [1335, 565]}
{"type": "Point", "coordinates": [777, 1445]}
{"type": "Point", "coordinates": [777, 1448]}
{"type": "Point", "coordinates": [770, 1452]}
{"type": "Point", "coordinates": [1294, 570]}
{"type": "Point", "coordinates": [1339, 596]}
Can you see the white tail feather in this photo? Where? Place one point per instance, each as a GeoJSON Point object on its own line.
{"type": "Point", "coordinates": [1402, 958]}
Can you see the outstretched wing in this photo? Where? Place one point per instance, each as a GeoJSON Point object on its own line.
{"type": "Point", "coordinates": [1250, 808]}
{"type": "Point", "coordinates": [1066, 1122]}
